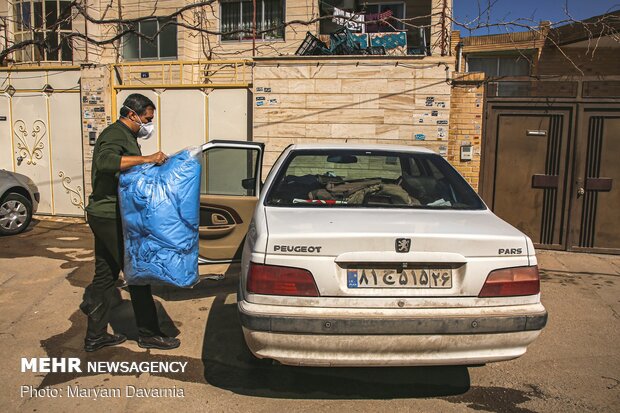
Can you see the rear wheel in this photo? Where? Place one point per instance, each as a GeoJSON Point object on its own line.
{"type": "Point", "coordinates": [15, 214]}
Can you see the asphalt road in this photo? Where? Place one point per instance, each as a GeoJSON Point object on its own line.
{"type": "Point", "coordinates": [573, 366]}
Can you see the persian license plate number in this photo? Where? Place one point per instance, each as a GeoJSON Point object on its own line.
{"type": "Point", "coordinates": [408, 278]}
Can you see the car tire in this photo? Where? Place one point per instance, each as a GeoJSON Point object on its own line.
{"type": "Point", "coordinates": [15, 213]}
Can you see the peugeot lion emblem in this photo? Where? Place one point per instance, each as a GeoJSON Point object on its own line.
{"type": "Point", "coordinates": [403, 244]}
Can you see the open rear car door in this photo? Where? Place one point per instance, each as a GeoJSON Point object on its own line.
{"type": "Point", "coordinates": [229, 189]}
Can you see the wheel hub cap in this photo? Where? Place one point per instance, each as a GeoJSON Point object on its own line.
{"type": "Point", "coordinates": [13, 215]}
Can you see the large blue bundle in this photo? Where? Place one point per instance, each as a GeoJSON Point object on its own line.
{"type": "Point", "coordinates": [160, 209]}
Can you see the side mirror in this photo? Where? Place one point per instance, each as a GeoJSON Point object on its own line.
{"type": "Point", "coordinates": [248, 183]}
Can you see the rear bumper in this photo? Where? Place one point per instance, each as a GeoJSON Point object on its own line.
{"type": "Point", "coordinates": [391, 326]}
{"type": "Point", "coordinates": [355, 340]}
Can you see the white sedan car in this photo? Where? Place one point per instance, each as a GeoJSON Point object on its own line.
{"type": "Point", "coordinates": [374, 256]}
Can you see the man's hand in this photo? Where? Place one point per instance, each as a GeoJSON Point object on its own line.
{"type": "Point", "coordinates": [129, 161]}
{"type": "Point", "coordinates": [157, 158]}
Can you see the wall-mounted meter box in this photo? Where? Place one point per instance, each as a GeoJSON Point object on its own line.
{"type": "Point", "coordinates": [466, 152]}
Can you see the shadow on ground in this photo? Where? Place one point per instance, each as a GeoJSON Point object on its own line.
{"type": "Point", "coordinates": [229, 365]}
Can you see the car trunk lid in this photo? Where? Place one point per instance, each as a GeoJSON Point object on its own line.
{"type": "Point", "coordinates": [360, 252]}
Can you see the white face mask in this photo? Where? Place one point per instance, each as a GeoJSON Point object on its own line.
{"type": "Point", "coordinates": [146, 129]}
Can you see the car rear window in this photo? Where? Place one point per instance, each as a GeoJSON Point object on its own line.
{"type": "Point", "coordinates": [345, 179]}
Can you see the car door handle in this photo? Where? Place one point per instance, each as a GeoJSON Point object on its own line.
{"type": "Point", "coordinates": [219, 219]}
{"type": "Point", "coordinates": [217, 231]}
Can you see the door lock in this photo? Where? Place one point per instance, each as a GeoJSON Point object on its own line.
{"type": "Point", "coordinates": [580, 192]}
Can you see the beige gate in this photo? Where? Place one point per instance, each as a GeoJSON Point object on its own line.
{"type": "Point", "coordinates": [196, 101]}
{"type": "Point", "coordinates": [41, 134]}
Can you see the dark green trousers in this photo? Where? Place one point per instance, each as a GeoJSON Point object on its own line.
{"type": "Point", "coordinates": [99, 295]}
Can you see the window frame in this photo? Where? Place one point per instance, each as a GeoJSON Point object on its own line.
{"type": "Point", "coordinates": [260, 39]}
{"type": "Point", "coordinates": [498, 58]}
{"type": "Point", "coordinates": [159, 21]}
{"type": "Point", "coordinates": [23, 32]}
{"type": "Point", "coordinates": [380, 5]}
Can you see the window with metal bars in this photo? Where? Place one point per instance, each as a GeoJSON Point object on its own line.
{"type": "Point", "coordinates": [236, 20]}
{"type": "Point", "coordinates": [151, 39]}
{"type": "Point", "coordinates": [48, 22]}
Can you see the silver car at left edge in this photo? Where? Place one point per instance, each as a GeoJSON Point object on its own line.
{"type": "Point", "coordinates": [19, 200]}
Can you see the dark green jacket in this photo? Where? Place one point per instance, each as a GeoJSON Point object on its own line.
{"type": "Point", "coordinates": [114, 142]}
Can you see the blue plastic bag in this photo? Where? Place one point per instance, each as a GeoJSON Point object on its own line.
{"type": "Point", "coordinates": [160, 210]}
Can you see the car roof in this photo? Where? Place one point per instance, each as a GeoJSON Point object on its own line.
{"type": "Point", "coordinates": [362, 147]}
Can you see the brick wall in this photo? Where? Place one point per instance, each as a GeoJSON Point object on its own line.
{"type": "Point", "coordinates": [578, 61]}
{"type": "Point", "coordinates": [466, 118]}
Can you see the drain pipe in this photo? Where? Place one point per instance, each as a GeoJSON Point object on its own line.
{"type": "Point", "coordinates": [459, 47]}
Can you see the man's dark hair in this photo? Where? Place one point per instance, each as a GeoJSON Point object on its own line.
{"type": "Point", "coordinates": [138, 103]}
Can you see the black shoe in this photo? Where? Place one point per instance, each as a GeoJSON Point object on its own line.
{"type": "Point", "coordinates": [159, 342]}
{"type": "Point", "coordinates": [105, 340]}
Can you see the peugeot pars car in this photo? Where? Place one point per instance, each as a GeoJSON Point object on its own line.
{"type": "Point", "coordinates": [360, 255]}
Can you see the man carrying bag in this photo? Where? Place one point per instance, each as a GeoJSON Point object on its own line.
{"type": "Point", "coordinates": [117, 150]}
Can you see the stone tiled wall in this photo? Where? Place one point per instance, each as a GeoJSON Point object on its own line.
{"type": "Point", "coordinates": [379, 101]}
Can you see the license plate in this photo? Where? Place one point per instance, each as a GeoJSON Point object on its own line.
{"type": "Point", "coordinates": [407, 278]}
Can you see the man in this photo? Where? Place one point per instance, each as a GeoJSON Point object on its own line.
{"type": "Point", "coordinates": [116, 150]}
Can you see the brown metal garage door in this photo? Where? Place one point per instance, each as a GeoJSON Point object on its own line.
{"type": "Point", "coordinates": [555, 175]}
{"type": "Point", "coordinates": [596, 213]}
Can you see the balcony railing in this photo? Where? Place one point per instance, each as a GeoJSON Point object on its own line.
{"type": "Point", "coordinates": [183, 74]}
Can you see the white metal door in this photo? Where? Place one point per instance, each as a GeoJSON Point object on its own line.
{"type": "Point", "coordinates": [42, 135]}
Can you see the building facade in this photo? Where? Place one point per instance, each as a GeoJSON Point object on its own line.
{"type": "Point", "coordinates": [551, 127]}
{"type": "Point", "coordinates": [212, 76]}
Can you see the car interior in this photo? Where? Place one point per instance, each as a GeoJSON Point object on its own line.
{"type": "Point", "coordinates": [372, 181]}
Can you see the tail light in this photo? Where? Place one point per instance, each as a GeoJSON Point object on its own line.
{"type": "Point", "coordinates": [276, 280]}
{"type": "Point", "coordinates": [511, 282]}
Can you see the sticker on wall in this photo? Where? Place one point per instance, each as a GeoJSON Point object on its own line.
{"type": "Point", "coordinates": [435, 113]}
{"type": "Point", "coordinates": [441, 135]}
{"type": "Point", "coordinates": [260, 103]}
{"type": "Point", "coordinates": [421, 120]}
{"type": "Point", "coordinates": [88, 114]}
{"type": "Point", "coordinates": [420, 137]}
{"type": "Point", "coordinates": [443, 150]}
{"type": "Point", "coordinates": [267, 90]}
{"type": "Point", "coordinates": [430, 100]}
{"type": "Point", "coordinates": [440, 104]}
{"type": "Point", "coordinates": [260, 97]}
{"type": "Point", "coordinates": [477, 103]}
{"type": "Point", "coordinates": [273, 102]}
{"type": "Point", "coordinates": [442, 122]}
{"type": "Point", "coordinates": [259, 89]}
